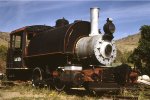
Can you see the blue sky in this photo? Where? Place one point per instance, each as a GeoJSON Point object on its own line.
{"type": "Point", "coordinates": [128, 16]}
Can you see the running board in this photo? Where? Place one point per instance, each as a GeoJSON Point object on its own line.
{"type": "Point", "coordinates": [103, 86]}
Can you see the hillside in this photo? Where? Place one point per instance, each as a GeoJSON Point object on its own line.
{"type": "Point", "coordinates": [4, 38]}
{"type": "Point", "coordinates": [128, 43]}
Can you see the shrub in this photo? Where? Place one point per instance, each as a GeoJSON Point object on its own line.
{"type": "Point", "coordinates": [141, 55]}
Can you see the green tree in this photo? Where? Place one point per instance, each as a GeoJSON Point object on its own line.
{"type": "Point", "coordinates": [141, 55]}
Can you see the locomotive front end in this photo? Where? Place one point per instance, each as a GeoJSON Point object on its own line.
{"type": "Point", "coordinates": [95, 53]}
{"type": "Point", "coordinates": [97, 47]}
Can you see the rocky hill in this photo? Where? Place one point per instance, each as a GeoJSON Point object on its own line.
{"type": "Point", "coordinates": [128, 43]}
{"type": "Point", "coordinates": [4, 38]}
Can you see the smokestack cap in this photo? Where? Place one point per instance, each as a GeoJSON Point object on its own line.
{"type": "Point", "coordinates": [95, 8]}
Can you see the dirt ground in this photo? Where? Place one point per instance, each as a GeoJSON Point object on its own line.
{"type": "Point", "coordinates": [5, 95]}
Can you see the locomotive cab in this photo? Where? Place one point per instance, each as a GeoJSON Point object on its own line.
{"type": "Point", "coordinates": [15, 63]}
{"type": "Point", "coordinates": [18, 49]}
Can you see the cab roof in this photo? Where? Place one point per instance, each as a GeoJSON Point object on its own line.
{"type": "Point", "coordinates": [31, 29]}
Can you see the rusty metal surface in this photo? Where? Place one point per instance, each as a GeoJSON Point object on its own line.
{"type": "Point", "coordinates": [18, 30]}
{"type": "Point", "coordinates": [89, 72]}
{"type": "Point", "coordinates": [99, 75]}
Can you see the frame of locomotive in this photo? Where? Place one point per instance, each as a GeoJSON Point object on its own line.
{"type": "Point", "coordinates": [55, 56]}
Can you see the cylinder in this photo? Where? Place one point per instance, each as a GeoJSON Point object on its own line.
{"type": "Point", "coordinates": [94, 21]}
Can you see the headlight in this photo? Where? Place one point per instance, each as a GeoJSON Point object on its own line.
{"type": "Point", "coordinates": [109, 27]}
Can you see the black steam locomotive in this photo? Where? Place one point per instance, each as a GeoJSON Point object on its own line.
{"type": "Point", "coordinates": [66, 55]}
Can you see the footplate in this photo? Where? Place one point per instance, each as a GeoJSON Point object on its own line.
{"type": "Point", "coordinates": [103, 86]}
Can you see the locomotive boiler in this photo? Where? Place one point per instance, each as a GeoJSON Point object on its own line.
{"type": "Point", "coordinates": [66, 55]}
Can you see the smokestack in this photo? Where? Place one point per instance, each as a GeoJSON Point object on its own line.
{"type": "Point", "coordinates": [94, 21]}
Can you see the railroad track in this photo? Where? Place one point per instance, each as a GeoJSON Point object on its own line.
{"type": "Point", "coordinates": [120, 97]}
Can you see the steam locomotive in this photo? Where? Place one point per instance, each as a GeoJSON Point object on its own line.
{"type": "Point", "coordinates": [66, 55]}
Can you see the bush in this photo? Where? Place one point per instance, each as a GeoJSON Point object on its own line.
{"type": "Point", "coordinates": [141, 55]}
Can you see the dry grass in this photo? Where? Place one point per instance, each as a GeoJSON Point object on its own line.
{"type": "Point", "coordinates": [28, 93]}
{"type": "Point", "coordinates": [4, 38]}
{"type": "Point", "coordinates": [128, 43]}
{"type": "Point", "coordinates": [23, 92]}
